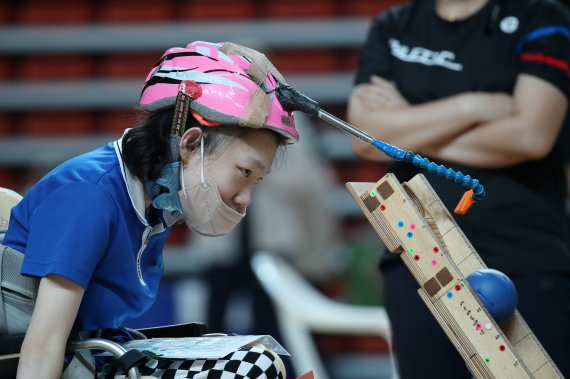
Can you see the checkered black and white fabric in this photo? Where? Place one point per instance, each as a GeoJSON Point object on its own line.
{"type": "Point", "coordinates": [247, 363]}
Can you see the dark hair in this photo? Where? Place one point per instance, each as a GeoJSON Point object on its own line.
{"type": "Point", "coordinates": [146, 146]}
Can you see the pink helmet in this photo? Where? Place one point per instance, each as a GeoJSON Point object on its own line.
{"type": "Point", "coordinates": [237, 85]}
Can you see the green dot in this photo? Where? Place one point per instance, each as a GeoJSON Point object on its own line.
{"type": "Point", "coordinates": [487, 360]}
{"type": "Point", "coordinates": [372, 193]}
{"type": "Point", "coordinates": [412, 250]}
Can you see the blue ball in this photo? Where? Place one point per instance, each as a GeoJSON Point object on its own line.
{"type": "Point", "coordinates": [496, 291]}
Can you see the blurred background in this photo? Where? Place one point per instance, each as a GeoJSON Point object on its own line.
{"type": "Point", "coordinates": [70, 73]}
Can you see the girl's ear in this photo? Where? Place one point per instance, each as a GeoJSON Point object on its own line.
{"type": "Point", "coordinates": [189, 140]}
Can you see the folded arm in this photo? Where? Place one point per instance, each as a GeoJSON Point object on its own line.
{"type": "Point", "coordinates": [528, 134]}
{"type": "Point", "coordinates": [474, 128]}
{"type": "Point", "coordinates": [379, 109]}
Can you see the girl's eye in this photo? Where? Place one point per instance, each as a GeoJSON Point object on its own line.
{"type": "Point", "coordinates": [246, 172]}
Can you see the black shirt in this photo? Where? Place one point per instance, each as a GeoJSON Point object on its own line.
{"type": "Point", "coordinates": [519, 227]}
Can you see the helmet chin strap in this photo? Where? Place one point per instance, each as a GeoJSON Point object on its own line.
{"type": "Point", "coordinates": [163, 191]}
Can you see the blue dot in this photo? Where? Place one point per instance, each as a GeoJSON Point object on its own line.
{"type": "Point", "coordinates": [401, 224]}
{"type": "Point", "coordinates": [410, 234]}
{"type": "Point", "coordinates": [449, 295]}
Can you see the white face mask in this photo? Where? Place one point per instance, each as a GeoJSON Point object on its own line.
{"type": "Point", "coordinates": [204, 210]}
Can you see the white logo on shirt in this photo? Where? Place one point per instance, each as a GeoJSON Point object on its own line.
{"type": "Point", "coordinates": [509, 24]}
{"type": "Point", "coordinates": [443, 58]}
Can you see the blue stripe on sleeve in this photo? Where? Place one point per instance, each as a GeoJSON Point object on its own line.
{"type": "Point", "coordinates": [542, 32]}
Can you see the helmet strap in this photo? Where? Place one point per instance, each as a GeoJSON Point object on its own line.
{"type": "Point", "coordinates": [260, 65]}
{"type": "Point", "coordinates": [164, 190]}
{"type": "Point", "coordinates": [183, 100]}
{"type": "Point", "coordinates": [188, 90]}
{"type": "Point", "coordinates": [256, 110]}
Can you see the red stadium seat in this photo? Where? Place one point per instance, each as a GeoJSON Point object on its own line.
{"type": "Point", "coordinates": [51, 123]}
{"type": "Point", "coordinates": [53, 11]}
{"type": "Point", "coordinates": [216, 10]}
{"type": "Point", "coordinates": [51, 67]}
{"type": "Point", "coordinates": [19, 178]}
{"type": "Point", "coordinates": [6, 12]}
{"type": "Point", "coordinates": [133, 11]}
{"type": "Point", "coordinates": [367, 7]}
{"type": "Point", "coordinates": [304, 60]}
{"type": "Point", "coordinates": [115, 122]}
{"type": "Point", "coordinates": [6, 68]}
{"type": "Point", "coordinates": [299, 8]}
{"type": "Point", "coordinates": [127, 65]}
{"type": "Point", "coordinates": [6, 124]}
{"type": "Point", "coordinates": [348, 60]}
{"type": "Point", "coordinates": [9, 179]}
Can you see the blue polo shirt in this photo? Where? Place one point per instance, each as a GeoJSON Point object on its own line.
{"type": "Point", "coordinates": [85, 221]}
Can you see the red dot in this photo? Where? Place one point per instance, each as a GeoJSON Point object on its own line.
{"type": "Point", "coordinates": [192, 88]}
{"type": "Point", "coordinates": [382, 207]}
{"type": "Point", "coordinates": [416, 257]}
{"type": "Point", "coordinates": [436, 249]}
{"type": "Point", "coordinates": [457, 287]}
{"type": "Point", "coordinates": [502, 348]}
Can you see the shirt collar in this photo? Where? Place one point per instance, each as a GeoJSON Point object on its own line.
{"type": "Point", "coordinates": [135, 187]}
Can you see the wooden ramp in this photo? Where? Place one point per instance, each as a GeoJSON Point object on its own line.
{"type": "Point", "coordinates": [412, 221]}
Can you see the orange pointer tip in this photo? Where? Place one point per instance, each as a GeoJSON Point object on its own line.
{"type": "Point", "coordinates": [465, 203]}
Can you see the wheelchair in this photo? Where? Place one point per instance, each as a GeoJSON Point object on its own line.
{"type": "Point", "coordinates": [17, 297]}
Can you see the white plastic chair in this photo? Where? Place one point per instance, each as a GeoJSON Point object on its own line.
{"type": "Point", "coordinates": [301, 309]}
